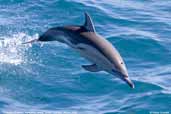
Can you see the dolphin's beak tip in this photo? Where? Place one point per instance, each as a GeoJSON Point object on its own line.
{"type": "Point", "coordinates": [132, 86]}
{"type": "Point", "coordinates": [129, 82]}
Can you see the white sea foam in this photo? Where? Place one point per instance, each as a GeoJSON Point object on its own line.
{"type": "Point", "coordinates": [12, 50]}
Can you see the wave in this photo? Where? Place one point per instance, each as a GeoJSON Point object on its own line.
{"type": "Point", "coordinates": [12, 51]}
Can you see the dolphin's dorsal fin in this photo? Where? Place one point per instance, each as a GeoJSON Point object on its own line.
{"type": "Point", "coordinates": [89, 23]}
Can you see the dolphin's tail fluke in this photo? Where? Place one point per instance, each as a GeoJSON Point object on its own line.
{"type": "Point", "coordinates": [129, 82]}
{"type": "Point", "coordinates": [31, 41]}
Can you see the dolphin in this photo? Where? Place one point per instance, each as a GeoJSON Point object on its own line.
{"type": "Point", "coordinates": [96, 49]}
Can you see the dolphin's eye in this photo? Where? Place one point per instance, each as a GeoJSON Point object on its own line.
{"type": "Point", "coordinates": [121, 62]}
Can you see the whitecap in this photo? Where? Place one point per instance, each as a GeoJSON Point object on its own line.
{"type": "Point", "coordinates": [12, 51]}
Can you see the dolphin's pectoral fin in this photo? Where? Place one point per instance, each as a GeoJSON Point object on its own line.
{"type": "Point", "coordinates": [89, 23]}
{"type": "Point", "coordinates": [91, 68]}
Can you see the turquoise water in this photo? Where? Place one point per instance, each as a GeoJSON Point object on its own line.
{"type": "Point", "coordinates": [49, 77]}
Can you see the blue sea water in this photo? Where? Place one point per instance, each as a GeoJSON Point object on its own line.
{"type": "Point", "coordinates": [49, 77]}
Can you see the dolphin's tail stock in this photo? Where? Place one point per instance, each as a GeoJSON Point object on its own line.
{"type": "Point", "coordinates": [31, 41]}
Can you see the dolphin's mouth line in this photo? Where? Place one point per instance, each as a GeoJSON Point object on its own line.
{"type": "Point", "coordinates": [125, 78]}
{"type": "Point", "coordinates": [129, 82]}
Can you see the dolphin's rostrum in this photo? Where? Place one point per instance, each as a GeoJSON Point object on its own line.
{"type": "Point", "coordinates": [90, 45]}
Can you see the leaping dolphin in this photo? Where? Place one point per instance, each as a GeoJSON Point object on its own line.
{"type": "Point", "coordinates": [84, 39]}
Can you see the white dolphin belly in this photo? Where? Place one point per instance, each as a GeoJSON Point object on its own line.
{"type": "Point", "coordinates": [94, 56]}
{"type": "Point", "coordinates": [91, 54]}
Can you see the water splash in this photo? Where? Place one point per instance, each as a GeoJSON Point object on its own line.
{"type": "Point", "coordinates": [12, 50]}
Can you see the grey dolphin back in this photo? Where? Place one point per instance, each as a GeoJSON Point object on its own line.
{"type": "Point", "coordinates": [89, 23]}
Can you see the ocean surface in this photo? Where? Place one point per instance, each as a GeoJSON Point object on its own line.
{"type": "Point", "coordinates": [43, 77]}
